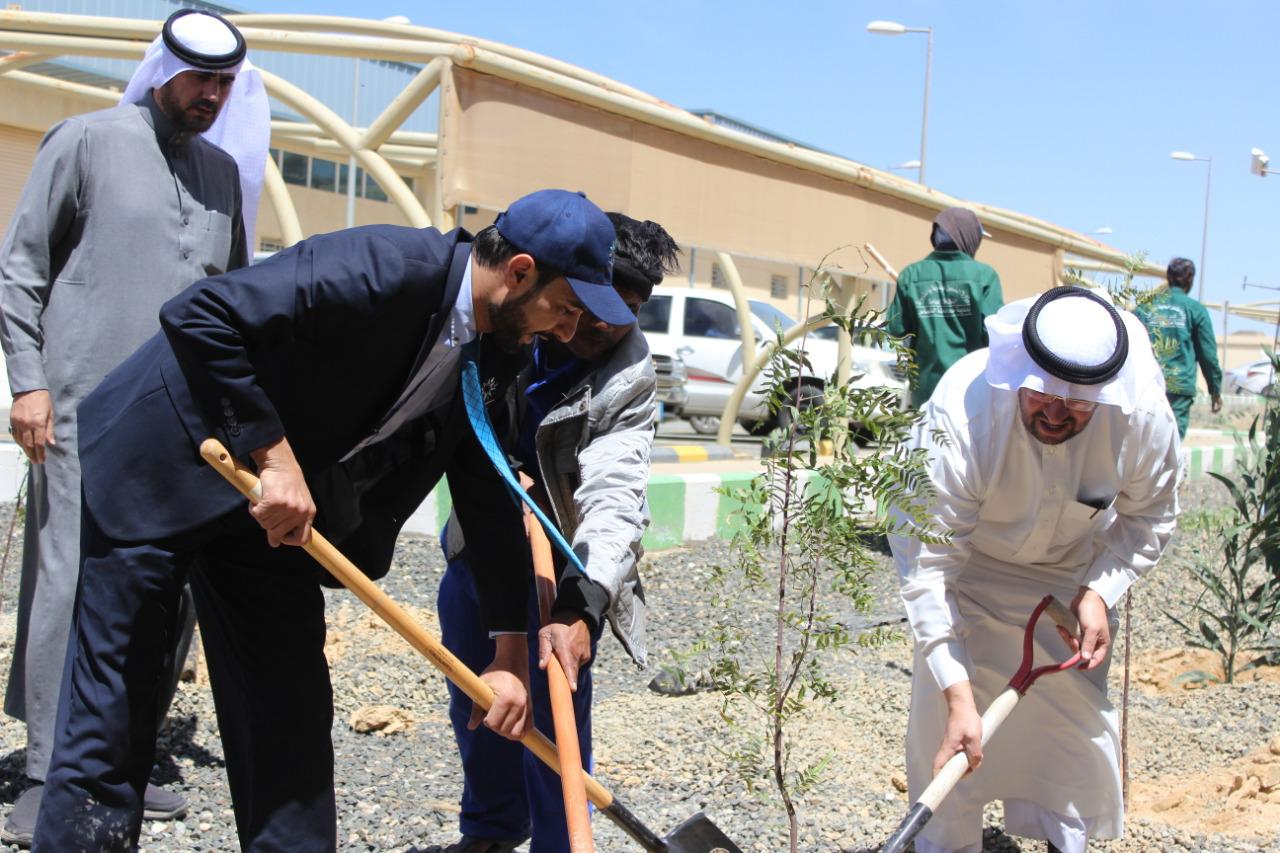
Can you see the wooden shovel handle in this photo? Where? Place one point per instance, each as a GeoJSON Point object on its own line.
{"type": "Point", "coordinates": [394, 615]}
{"type": "Point", "coordinates": [879, 259]}
{"type": "Point", "coordinates": [577, 817]}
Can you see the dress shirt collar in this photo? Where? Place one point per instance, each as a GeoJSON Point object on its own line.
{"type": "Point", "coordinates": [462, 318]}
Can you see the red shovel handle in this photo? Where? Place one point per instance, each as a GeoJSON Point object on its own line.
{"type": "Point", "coordinates": [1026, 675]}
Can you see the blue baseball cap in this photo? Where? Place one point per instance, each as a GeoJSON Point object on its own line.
{"type": "Point", "coordinates": [566, 232]}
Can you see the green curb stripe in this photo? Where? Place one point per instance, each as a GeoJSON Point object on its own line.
{"type": "Point", "coordinates": [685, 507]}
{"type": "Point", "coordinates": [666, 511]}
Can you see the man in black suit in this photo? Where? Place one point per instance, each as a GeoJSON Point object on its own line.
{"type": "Point", "coordinates": [338, 357]}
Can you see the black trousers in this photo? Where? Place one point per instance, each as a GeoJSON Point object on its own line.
{"type": "Point", "coordinates": [261, 616]}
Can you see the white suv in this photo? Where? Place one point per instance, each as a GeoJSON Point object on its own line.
{"type": "Point", "coordinates": [701, 328]}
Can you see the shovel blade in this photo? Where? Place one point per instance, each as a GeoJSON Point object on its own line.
{"type": "Point", "coordinates": [699, 835]}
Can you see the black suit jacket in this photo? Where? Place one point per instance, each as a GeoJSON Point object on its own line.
{"type": "Point", "coordinates": [316, 344]}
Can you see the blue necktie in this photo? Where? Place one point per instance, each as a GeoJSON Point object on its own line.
{"type": "Point", "coordinates": [473, 397]}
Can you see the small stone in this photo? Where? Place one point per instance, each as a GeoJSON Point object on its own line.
{"type": "Point", "coordinates": [383, 719]}
{"type": "Point", "coordinates": [1270, 777]}
{"type": "Point", "coordinates": [899, 782]}
{"type": "Point", "coordinates": [1274, 746]}
{"type": "Point", "coordinates": [1170, 801]}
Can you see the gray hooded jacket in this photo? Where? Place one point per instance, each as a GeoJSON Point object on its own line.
{"type": "Point", "coordinates": [593, 458]}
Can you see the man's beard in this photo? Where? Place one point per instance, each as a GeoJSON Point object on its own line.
{"type": "Point", "coordinates": [507, 321]}
{"type": "Point", "coordinates": [183, 121]}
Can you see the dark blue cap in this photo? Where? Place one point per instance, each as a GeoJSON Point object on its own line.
{"type": "Point", "coordinates": [564, 231]}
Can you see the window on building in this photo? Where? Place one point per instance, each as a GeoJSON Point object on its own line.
{"type": "Point", "coordinates": [294, 167]}
{"type": "Point", "coordinates": [327, 175]}
{"type": "Point", "coordinates": [324, 174]}
{"type": "Point", "coordinates": [372, 190]}
{"type": "Point", "coordinates": [706, 319]}
{"type": "Point", "coordinates": [270, 246]}
{"type": "Point", "coordinates": [778, 286]}
{"type": "Point", "coordinates": [718, 278]}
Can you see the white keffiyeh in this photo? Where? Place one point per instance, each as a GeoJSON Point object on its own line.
{"type": "Point", "coordinates": [1078, 330]}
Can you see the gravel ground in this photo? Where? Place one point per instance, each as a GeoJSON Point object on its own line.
{"type": "Point", "coordinates": [659, 755]}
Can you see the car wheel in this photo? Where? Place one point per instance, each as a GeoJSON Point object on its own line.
{"type": "Point", "coordinates": [805, 395]}
{"type": "Point", "coordinates": [704, 424]}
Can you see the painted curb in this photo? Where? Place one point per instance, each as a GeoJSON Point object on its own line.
{"type": "Point", "coordinates": [665, 453]}
{"type": "Point", "coordinates": [683, 507]}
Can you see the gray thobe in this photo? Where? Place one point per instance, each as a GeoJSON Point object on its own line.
{"type": "Point", "coordinates": [120, 213]}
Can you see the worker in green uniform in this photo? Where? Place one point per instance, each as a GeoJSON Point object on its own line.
{"type": "Point", "coordinates": [942, 300]}
{"type": "Point", "coordinates": [1182, 337]}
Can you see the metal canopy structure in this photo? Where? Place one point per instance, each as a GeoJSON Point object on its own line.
{"type": "Point", "coordinates": [511, 121]}
{"type": "Point", "coordinates": [475, 161]}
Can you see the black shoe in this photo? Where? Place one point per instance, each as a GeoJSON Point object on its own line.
{"type": "Point", "coordinates": [21, 825]}
{"type": "Point", "coordinates": [471, 844]}
{"type": "Point", "coordinates": [159, 804]}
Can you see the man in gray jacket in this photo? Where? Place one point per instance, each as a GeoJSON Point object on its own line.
{"type": "Point", "coordinates": [580, 421]}
{"type": "Point", "coordinates": [123, 209]}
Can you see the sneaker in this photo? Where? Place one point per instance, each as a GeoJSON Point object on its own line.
{"type": "Point", "coordinates": [159, 804]}
{"type": "Point", "coordinates": [21, 824]}
{"type": "Point", "coordinates": [471, 844]}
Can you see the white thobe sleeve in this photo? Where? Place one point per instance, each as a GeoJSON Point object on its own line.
{"type": "Point", "coordinates": [926, 569]}
{"type": "Point", "coordinates": [1146, 510]}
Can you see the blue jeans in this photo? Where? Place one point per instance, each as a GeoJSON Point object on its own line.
{"type": "Point", "coordinates": [507, 793]}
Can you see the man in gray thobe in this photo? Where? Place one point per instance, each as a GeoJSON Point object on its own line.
{"type": "Point", "coordinates": [123, 209]}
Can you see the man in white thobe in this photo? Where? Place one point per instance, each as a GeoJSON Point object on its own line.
{"type": "Point", "coordinates": [1053, 456]}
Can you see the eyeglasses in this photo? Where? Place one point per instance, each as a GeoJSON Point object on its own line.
{"type": "Point", "coordinates": [1043, 399]}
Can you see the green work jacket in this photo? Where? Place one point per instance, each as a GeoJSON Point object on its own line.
{"type": "Point", "coordinates": [1182, 336]}
{"type": "Point", "coordinates": [941, 302]}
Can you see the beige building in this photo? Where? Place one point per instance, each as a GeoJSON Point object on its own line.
{"type": "Point", "coordinates": [777, 208]}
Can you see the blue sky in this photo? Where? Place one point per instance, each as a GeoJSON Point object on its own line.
{"type": "Point", "coordinates": [1066, 111]}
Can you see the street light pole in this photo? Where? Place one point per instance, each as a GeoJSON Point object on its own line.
{"type": "Point", "coordinates": [1204, 235]}
{"type": "Point", "coordinates": [1208, 184]}
{"type": "Point", "coordinates": [892, 28]}
{"type": "Point", "coordinates": [924, 119]}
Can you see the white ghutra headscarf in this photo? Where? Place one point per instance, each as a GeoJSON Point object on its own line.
{"type": "Point", "coordinates": [1072, 343]}
{"type": "Point", "coordinates": [202, 41]}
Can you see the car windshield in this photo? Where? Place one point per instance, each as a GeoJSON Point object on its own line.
{"type": "Point", "coordinates": [773, 318]}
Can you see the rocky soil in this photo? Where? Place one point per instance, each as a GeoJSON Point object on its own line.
{"type": "Point", "coordinates": [1204, 760]}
